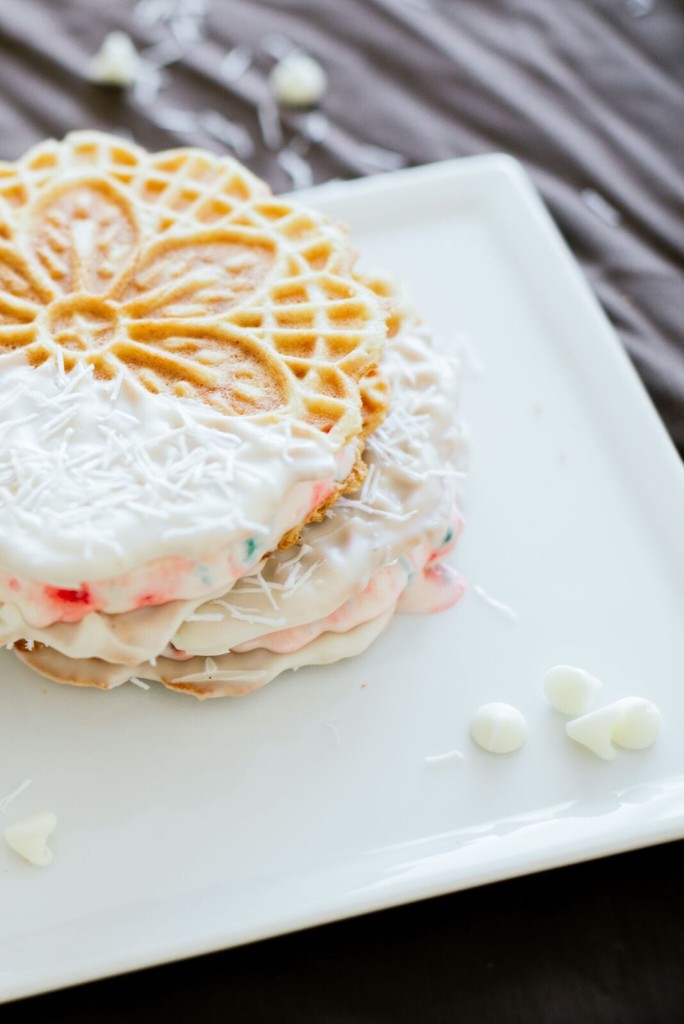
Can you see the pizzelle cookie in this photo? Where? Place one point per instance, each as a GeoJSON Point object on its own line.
{"type": "Point", "coordinates": [180, 357]}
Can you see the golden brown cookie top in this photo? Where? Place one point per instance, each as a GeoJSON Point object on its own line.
{"type": "Point", "coordinates": [182, 270]}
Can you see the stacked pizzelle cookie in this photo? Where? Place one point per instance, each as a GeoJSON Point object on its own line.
{"type": "Point", "coordinates": [223, 451]}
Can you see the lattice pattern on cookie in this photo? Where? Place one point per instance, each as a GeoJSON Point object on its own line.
{"type": "Point", "coordinates": [375, 389]}
{"type": "Point", "coordinates": [181, 269]}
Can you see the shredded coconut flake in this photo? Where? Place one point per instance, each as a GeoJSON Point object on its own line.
{"type": "Point", "coordinates": [245, 616]}
{"type": "Point", "coordinates": [301, 579]}
{"type": "Point", "coordinates": [139, 682]}
{"type": "Point", "coordinates": [11, 797]}
{"type": "Point", "coordinates": [498, 606]}
{"type": "Point", "coordinates": [446, 758]}
{"type": "Point", "coordinates": [217, 675]}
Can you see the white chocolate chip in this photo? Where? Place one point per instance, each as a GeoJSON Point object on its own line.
{"type": "Point", "coordinates": [632, 723]}
{"type": "Point", "coordinates": [595, 731]}
{"type": "Point", "coordinates": [298, 81]}
{"type": "Point", "coordinates": [498, 728]}
{"type": "Point", "coordinates": [639, 724]}
{"type": "Point", "coordinates": [116, 62]}
{"type": "Point", "coordinates": [29, 837]}
{"type": "Point", "coordinates": [570, 690]}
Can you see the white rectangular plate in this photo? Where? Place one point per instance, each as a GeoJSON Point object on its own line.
{"type": "Point", "coordinates": [187, 827]}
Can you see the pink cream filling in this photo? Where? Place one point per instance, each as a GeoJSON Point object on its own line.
{"type": "Point", "coordinates": [433, 587]}
{"type": "Point", "coordinates": [380, 594]}
{"type": "Point", "coordinates": [167, 579]}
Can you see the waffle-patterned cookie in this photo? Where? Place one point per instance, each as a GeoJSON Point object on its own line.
{"type": "Point", "coordinates": [181, 269]}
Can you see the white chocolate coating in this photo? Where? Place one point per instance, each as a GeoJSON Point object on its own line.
{"type": "Point", "coordinates": [374, 552]}
{"type": "Point", "coordinates": [113, 472]}
{"type": "Point", "coordinates": [498, 728]}
{"type": "Point", "coordinates": [570, 690]}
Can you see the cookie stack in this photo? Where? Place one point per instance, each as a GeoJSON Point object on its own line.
{"type": "Point", "coordinates": [200, 479]}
